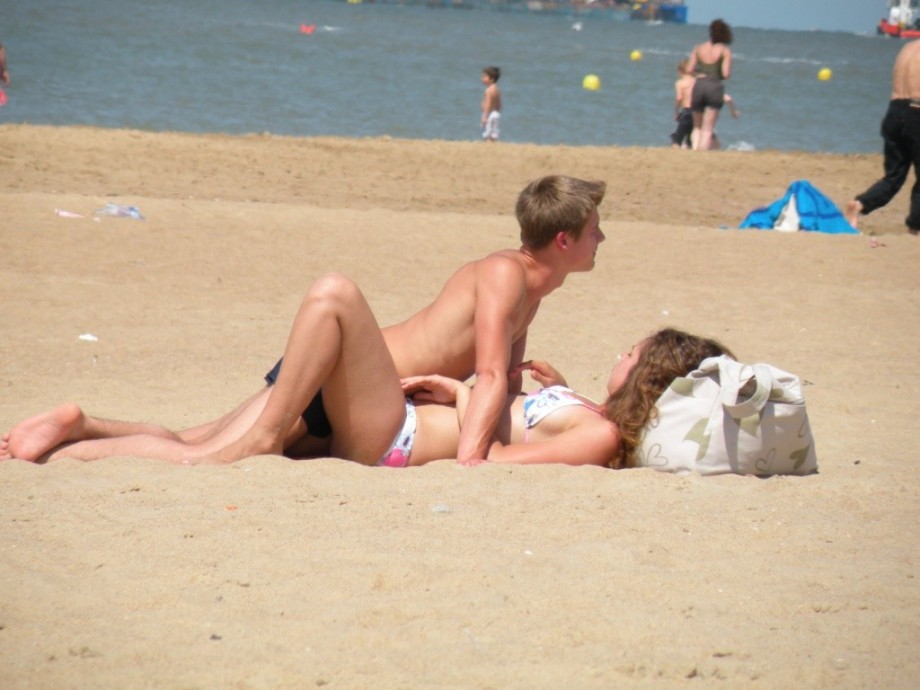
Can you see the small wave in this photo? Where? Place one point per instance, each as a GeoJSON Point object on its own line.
{"type": "Point", "coordinates": [742, 146]}
{"type": "Point", "coordinates": [787, 60]}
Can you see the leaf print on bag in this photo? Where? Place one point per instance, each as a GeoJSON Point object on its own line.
{"type": "Point", "coordinates": [683, 387]}
{"type": "Point", "coordinates": [699, 435]}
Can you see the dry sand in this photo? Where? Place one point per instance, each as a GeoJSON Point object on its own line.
{"type": "Point", "coordinates": [275, 574]}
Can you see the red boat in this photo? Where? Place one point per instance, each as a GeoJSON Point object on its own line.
{"type": "Point", "coordinates": [903, 20]}
{"type": "Point", "coordinates": [896, 30]}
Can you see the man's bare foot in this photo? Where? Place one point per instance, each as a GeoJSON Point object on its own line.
{"type": "Point", "coordinates": [33, 437]}
{"type": "Point", "coordinates": [852, 211]}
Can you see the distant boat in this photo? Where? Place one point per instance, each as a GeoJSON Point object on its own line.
{"type": "Point", "coordinates": [617, 10]}
{"type": "Point", "coordinates": [653, 11]}
{"type": "Point", "coordinates": [903, 20]}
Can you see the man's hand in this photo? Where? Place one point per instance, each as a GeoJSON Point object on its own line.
{"type": "Point", "coordinates": [540, 371]}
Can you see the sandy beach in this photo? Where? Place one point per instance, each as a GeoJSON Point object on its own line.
{"type": "Point", "coordinates": [269, 573]}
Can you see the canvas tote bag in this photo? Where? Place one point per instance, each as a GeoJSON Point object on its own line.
{"type": "Point", "coordinates": [731, 417]}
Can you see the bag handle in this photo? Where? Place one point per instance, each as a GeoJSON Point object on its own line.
{"type": "Point", "coordinates": [733, 376]}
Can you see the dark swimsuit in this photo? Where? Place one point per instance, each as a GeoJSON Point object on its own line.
{"type": "Point", "coordinates": [315, 415]}
{"type": "Point", "coordinates": [709, 89]}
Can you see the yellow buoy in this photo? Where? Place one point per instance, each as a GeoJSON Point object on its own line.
{"type": "Point", "coordinates": [824, 74]}
{"type": "Point", "coordinates": [591, 82]}
{"type": "Point", "coordinates": [635, 55]}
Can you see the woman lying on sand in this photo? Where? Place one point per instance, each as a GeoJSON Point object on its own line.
{"type": "Point", "coordinates": [372, 420]}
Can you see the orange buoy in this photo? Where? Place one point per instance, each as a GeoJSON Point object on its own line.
{"type": "Point", "coordinates": [307, 28]}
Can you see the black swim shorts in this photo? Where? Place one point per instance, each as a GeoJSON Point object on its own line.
{"type": "Point", "coordinates": [315, 415]}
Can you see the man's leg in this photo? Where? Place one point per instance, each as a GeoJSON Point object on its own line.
{"type": "Point", "coordinates": [35, 436]}
{"type": "Point", "coordinates": [898, 158]}
{"type": "Point", "coordinates": [66, 424]}
{"type": "Point", "coordinates": [172, 449]}
{"type": "Point", "coordinates": [912, 131]}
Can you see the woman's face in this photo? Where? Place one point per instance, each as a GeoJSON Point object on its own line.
{"type": "Point", "coordinates": [626, 362]}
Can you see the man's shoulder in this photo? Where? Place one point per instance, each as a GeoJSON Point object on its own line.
{"type": "Point", "coordinates": [506, 259]}
{"type": "Point", "coordinates": [505, 267]}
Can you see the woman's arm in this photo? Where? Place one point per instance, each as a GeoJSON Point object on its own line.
{"type": "Point", "coordinates": [439, 389]}
{"type": "Point", "coordinates": [584, 444]}
{"type": "Point", "coordinates": [726, 62]}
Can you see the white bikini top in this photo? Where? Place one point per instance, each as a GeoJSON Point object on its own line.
{"type": "Point", "coordinates": [545, 401]}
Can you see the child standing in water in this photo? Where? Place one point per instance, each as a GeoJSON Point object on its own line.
{"type": "Point", "coordinates": [491, 103]}
{"type": "Point", "coordinates": [683, 90]}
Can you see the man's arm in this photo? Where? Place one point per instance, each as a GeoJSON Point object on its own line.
{"type": "Point", "coordinates": [500, 297]}
{"type": "Point", "coordinates": [517, 357]}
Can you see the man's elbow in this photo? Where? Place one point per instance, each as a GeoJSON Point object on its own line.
{"type": "Point", "coordinates": [491, 377]}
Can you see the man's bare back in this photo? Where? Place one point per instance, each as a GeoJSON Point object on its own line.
{"type": "Point", "coordinates": [905, 76]}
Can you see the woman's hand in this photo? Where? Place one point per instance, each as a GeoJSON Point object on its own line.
{"type": "Point", "coordinates": [540, 371]}
{"type": "Point", "coordinates": [439, 389]}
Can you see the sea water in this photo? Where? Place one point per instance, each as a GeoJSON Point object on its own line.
{"type": "Point", "coordinates": [370, 69]}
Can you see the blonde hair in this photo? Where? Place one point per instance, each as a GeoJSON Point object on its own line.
{"type": "Point", "coordinates": [665, 356]}
{"type": "Point", "coordinates": [553, 204]}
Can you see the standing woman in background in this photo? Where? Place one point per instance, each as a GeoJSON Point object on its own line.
{"type": "Point", "coordinates": [4, 73]}
{"type": "Point", "coordinates": [711, 62]}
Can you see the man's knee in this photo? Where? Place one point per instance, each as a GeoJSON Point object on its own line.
{"type": "Point", "coordinates": [333, 288]}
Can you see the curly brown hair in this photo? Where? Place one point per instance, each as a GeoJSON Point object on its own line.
{"type": "Point", "coordinates": [720, 32]}
{"type": "Point", "coordinates": [665, 356]}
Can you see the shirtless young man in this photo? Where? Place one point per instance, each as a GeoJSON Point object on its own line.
{"type": "Point", "coordinates": [901, 134]}
{"type": "Point", "coordinates": [476, 325]}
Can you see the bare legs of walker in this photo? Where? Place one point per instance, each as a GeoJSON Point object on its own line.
{"type": "Point", "coordinates": [704, 134]}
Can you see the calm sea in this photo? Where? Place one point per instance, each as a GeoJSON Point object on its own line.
{"type": "Point", "coordinates": [242, 66]}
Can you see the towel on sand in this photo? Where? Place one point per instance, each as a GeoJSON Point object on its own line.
{"type": "Point", "coordinates": [803, 207]}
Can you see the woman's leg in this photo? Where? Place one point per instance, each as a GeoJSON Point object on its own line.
{"type": "Point", "coordinates": [335, 344]}
{"type": "Point", "coordinates": [710, 115]}
{"type": "Point", "coordinates": [695, 132]}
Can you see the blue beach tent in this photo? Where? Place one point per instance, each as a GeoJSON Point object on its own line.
{"type": "Point", "coordinates": [803, 207]}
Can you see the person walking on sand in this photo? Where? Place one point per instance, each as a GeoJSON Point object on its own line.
{"type": "Point", "coordinates": [711, 63]}
{"type": "Point", "coordinates": [553, 424]}
{"type": "Point", "coordinates": [491, 103]}
{"type": "Point", "coordinates": [477, 324]}
{"type": "Point", "coordinates": [901, 135]}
